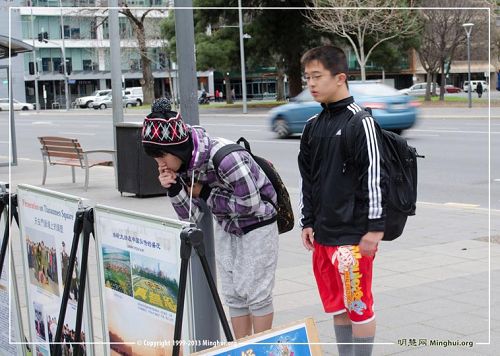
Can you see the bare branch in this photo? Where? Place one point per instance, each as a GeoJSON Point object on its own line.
{"type": "Point", "coordinates": [357, 23]}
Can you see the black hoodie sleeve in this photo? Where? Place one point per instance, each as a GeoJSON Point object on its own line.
{"type": "Point", "coordinates": [372, 174]}
{"type": "Point", "coordinates": [305, 207]}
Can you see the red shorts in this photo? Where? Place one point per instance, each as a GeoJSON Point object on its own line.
{"type": "Point", "coordinates": [344, 280]}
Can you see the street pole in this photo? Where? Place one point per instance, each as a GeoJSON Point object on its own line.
{"type": "Point", "coordinates": [66, 86]}
{"type": "Point", "coordinates": [35, 63]}
{"type": "Point", "coordinates": [116, 74]}
{"type": "Point", "coordinates": [242, 57]}
{"type": "Point", "coordinates": [468, 30]}
{"type": "Point", "coordinates": [204, 321]}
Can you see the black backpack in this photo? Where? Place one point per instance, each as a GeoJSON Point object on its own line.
{"type": "Point", "coordinates": [284, 207]}
{"type": "Point", "coordinates": [400, 160]}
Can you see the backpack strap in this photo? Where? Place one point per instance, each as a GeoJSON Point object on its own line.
{"type": "Point", "coordinates": [223, 152]}
{"type": "Point", "coordinates": [233, 147]}
{"type": "Point", "coordinates": [348, 140]}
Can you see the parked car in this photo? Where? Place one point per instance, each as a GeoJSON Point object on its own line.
{"type": "Point", "coordinates": [4, 105]}
{"type": "Point", "coordinates": [85, 101]}
{"type": "Point", "coordinates": [419, 89]}
{"type": "Point", "coordinates": [474, 85]}
{"type": "Point", "coordinates": [135, 93]}
{"type": "Point", "coordinates": [107, 102]}
{"type": "Point", "coordinates": [390, 109]}
{"type": "Point", "coordinates": [452, 89]}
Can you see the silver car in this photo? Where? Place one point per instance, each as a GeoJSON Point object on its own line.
{"type": "Point", "coordinates": [107, 102]}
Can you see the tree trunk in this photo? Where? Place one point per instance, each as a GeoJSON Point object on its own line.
{"type": "Point", "coordinates": [428, 87]}
{"type": "Point", "coordinates": [442, 82]}
{"type": "Point", "coordinates": [363, 72]}
{"type": "Point", "coordinates": [147, 74]}
{"type": "Point", "coordinates": [229, 97]}
{"type": "Point", "coordinates": [362, 62]}
{"type": "Point", "coordinates": [294, 77]}
{"type": "Point", "coordinates": [173, 97]}
{"type": "Point", "coordinates": [280, 83]}
{"type": "Point", "coordinates": [434, 79]}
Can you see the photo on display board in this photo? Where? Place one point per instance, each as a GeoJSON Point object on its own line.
{"type": "Point", "coordinates": [117, 275]}
{"type": "Point", "coordinates": [42, 260]}
{"type": "Point", "coordinates": [132, 321]}
{"type": "Point", "coordinates": [40, 326]}
{"type": "Point", "coordinates": [75, 276]}
{"type": "Point", "coordinates": [68, 333]}
{"type": "Point", "coordinates": [155, 282]}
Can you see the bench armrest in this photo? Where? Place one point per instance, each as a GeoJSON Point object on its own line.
{"type": "Point", "coordinates": [100, 151]}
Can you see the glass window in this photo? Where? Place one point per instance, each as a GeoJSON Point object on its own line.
{"type": "Point", "coordinates": [75, 33]}
{"type": "Point", "coordinates": [87, 64]}
{"type": "Point", "coordinates": [46, 65]}
{"type": "Point", "coordinates": [66, 31]}
{"type": "Point", "coordinates": [57, 63]}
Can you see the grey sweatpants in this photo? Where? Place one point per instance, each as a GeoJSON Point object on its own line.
{"type": "Point", "coordinates": [246, 266]}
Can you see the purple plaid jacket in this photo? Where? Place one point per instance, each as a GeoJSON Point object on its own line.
{"type": "Point", "coordinates": [235, 196]}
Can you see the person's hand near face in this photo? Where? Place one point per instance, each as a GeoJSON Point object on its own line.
{"type": "Point", "coordinates": [167, 176]}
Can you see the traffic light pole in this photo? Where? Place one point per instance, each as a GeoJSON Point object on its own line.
{"type": "Point", "coordinates": [35, 63]}
{"type": "Point", "coordinates": [66, 86]}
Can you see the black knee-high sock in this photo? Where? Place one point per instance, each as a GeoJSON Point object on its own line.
{"type": "Point", "coordinates": [364, 346]}
{"type": "Point", "coordinates": [343, 333]}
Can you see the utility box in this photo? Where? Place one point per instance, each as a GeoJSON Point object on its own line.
{"type": "Point", "coordinates": [137, 172]}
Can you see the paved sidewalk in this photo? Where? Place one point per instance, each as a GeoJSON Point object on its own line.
{"type": "Point", "coordinates": [431, 284]}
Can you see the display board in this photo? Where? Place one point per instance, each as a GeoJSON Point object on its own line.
{"type": "Point", "coordinates": [10, 327]}
{"type": "Point", "coordinates": [47, 221]}
{"type": "Point", "coordinates": [296, 339]}
{"type": "Point", "coordinates": [139, 262]}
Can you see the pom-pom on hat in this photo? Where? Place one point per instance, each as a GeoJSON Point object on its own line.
{"type": "Point", "coordinates": [161, 105]}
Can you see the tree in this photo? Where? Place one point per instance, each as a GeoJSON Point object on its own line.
{"type": "Point", "coordinates": [380, 19]}
{"type": "Point", "coordinates": [143, 28]}
{"type": "Point", "coordinates": [137, 19]}
{"type": "Point", "coordinates": [443, 34]}
{"type": "Point", "coordinates": [273, 42]}
{"type": "Point", "coordinates": [282, 43]}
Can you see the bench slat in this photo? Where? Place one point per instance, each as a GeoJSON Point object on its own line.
{"type": "Point", "coordinates": [60, 144]}
{"type": "Point", "coordinates": [64, 155]}
{"type": "Point", "coordinates": [51, 149]}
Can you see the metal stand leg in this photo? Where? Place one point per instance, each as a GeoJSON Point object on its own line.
{"type": "Point", "coordinates": [77, 229]}
{"type": "Point", "coordinates": [192, 237]}
{"type": "Point", "coordinates": [12, 212]}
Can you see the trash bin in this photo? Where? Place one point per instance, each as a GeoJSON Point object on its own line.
{"type": "Point", "coordinates": [137, 172]}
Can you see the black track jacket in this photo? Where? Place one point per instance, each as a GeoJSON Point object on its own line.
{"type": "Point", "coordinates": [341, 202]}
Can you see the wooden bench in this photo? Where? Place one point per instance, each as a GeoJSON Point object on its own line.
{"type": "Point", "coordinates": [68, 152]}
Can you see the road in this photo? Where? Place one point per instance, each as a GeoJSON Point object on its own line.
{"type": "Point", "coordinates": [458, 145]}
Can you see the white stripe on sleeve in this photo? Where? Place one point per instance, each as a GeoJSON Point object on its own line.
{"type": "Point", "coordinates": [374, 191]}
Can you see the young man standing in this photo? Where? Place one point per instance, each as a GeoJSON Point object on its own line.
{"type": "Point", "coordinates": [342, 203]}
{"type": "Point", "coordinates": [238, 194]}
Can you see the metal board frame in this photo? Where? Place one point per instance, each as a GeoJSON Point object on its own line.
{"type": "Point", "coordinates": [127, 237]}
{"type": "Point", "coordinates": [72, 204]}
{"type": "Point", "coordinates": [10, 294]}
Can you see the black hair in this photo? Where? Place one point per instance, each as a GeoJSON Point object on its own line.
{"type": "Point", "coordinates": [332, 58]}
{"type": "Point", "coordinates": [154, 151]}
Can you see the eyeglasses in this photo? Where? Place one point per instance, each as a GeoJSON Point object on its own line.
{"type": "Point", "coordinates": [315, 77]}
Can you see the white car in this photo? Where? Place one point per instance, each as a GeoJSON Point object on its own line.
{"type": "Point", "coordinates": [135, 93]}
{"type": "Point", "coordinates": [419, 89]}
{"type": "Point", "coordinates": [474, 85]}
{"type": "Point", "coordinates": [4, 105]}
{"type": "Point", "coordinates": [86, 101]}
{"type": "Point", "coordinates": [105, 102]}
